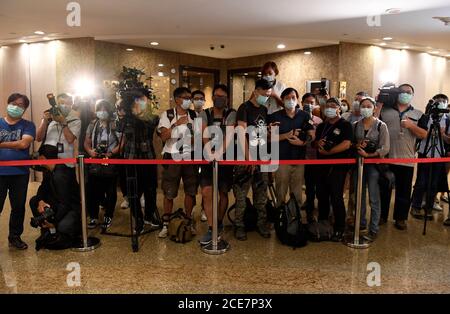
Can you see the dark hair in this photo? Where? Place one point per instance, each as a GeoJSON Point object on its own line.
{"type": "Point", "coordinates": [221, 87]}
{"type": "Point", "coordinates": [370, 99]}
{"type": "Point", "coordinates": [269, 64]}
{"type": "Point", "coordinates": [287, 91]}
{"type": "Point", "coordinates": [263, 84]}
{"type": "Point", "coordinates": [15, 96]}
{"type": "Point", "coordinates": [406, 84]}
{"type": "Point", "coordinates": [128, 99]}
{"type": "Point", "coordinates": [307, 95]}
{"type": "Point", "coordinates": [180, 91]}
{"type": "Point", "coordinates": [199, 92]}
{"type": "Point", "coordinates": [362, 93]}
{"type": "Point", "coordinates": [334, 100]}
{"type": "Point", "coordinates": [440, 96]}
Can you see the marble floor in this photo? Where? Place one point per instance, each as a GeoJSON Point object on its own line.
{"type": "Point", "coordinates": [409, 263]}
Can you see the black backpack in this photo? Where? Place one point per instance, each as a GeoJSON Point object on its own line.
{"type": "Point", "coordinates": [250, 215]}
{"type": "Point", "coordinates": [289, 227]}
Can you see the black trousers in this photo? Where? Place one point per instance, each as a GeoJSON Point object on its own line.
{"type": "Point", "coordinates": [16, 186]}
{"type": "Point", "coordinates": [330, 190]}
{"type": "Point", "coordinates": [311, 174]}
{"type": "Point", "coordinates": [123, 179]}
{"type": "Point", "coordinates": [101, 188]}
{"type": "Point", "coordinates": [147, 183]}
{"type": "Point", "coordinates": [403, 185]}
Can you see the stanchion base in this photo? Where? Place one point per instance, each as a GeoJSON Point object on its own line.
{"type": "Point", "coordinates": [92, 244]}
{"type": "Point", "coordinates": [222, 247]}
{"type": "Point", "coordinates": [350, 242]}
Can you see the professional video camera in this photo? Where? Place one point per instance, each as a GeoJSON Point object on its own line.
{"type": "Point", "coordinates": [323, 87]}
{"type": "Point", "coordinates": [434, 110]}
{"type": "Point", "coordinates": [388, 95]}
{"type": "Point", "coordinates": [48, 215]}
{"type": "Point", "coordinates": [54, 109]}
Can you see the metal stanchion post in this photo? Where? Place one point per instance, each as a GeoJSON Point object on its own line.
{"type": "Point", "coordinates": [358, 242]}
{"type": "Point", "coordinates": [217, 246]}
{"type": "Point", "coordinates": [86, 243]}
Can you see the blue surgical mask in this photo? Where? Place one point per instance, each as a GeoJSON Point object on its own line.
{"type": "Point", "coordinates": [262, 100]}
{"type": "Point", "coordinates": [442, 105]}
{"type": "Point", "coordinates": [102, 115]}
{"type": "Point", "coordinates": [14, 111]}
{"type": "Point", "coordinates": [269, 78]}
{"type": "Point", "coordinates": [330, 113]}
{"type": "Point", "coordinates": [65, 109]}
{"type": "Point", "coordinates": [198, 104]}
{"type": "Point", "coordinates": [186, 104]}
{"type": "Point", "coordinates": [289, 104]}
{"type": "Point", "coordinates": [142, 104]}
{"type": "Point", "coordinates": [405, 98]}
{"type": "Point", "coordinates": [366, 112]}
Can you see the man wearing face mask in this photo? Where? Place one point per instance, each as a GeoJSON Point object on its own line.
{"type": "Point", "coordinates": [269, 72]}
{"type": "Point", "coordinates": [436, 170]}
{"type": "Point", "coordinates": [252, 114]}
{"type": "Point", "coordinates": [16, 136]}
{"type": "Point", "coordinates": [295, 132]}
{"type": "Point", "coordinates": [198, 99]}
{"type": "Point", "coordinates": [333, 138]}
{"type": "Point", "coordinates": [178, 123]}
{"type": "Point", "coordinates": [402, 121]}
{"type": "Point", "coordinates": [221, 116]}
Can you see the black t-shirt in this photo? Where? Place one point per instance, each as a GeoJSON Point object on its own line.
{"type": "Point", "coordinates": [301, 121]}
{"type": "Point", "coordinates": [255, 117]}
{"type": "Point", "coordinates": [335, 133]}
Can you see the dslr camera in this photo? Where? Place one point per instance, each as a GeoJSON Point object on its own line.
{"type": "Point", "coordinates": [371, 147]}
{"type": "Point", "coordinates": [328, 145]}
{"type": "Point", "coordinates": [54, 109]}
{"type": "Point", "coordinates": [47, 215]}
{"type": "Point", "coordinates": [102, 149]}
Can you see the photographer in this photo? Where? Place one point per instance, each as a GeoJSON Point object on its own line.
{"type": "Point", "coordinates": [435, 170]}
{"type": "Point", "coordinates": [295, 132]}
{"type": "Point", "coordinates": [102, 141]}
{"type": "Point", "coordinates": [137, 131]}
{"type": "Point", "coordinates": [269, 73]}
{"type": "Point", "coordinates": [175, 123]}
{"type": "Point", "coordinates": [371, 139]}
{"type": "Point", "coordinates": [16, 136]}
{"type": "Point", "coordinates": [333, 138]}
{"type": "Point", "coordinates": [252, 114]}
{"type": "Point", "coordinates": [402, 121]}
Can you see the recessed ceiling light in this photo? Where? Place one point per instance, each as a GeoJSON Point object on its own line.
{"type": "Point", "coordinates": [39, 32]}
{"type": "Point", "coordinates": [281, 46]}
{"type": "Point", "coordinates": [45, 38]}
{"type": "Point", "coordinates": [22, 41]}
{"type": "Point", "coordinates": [160, 73]}
{"type": "Point", "coordinates": [406, 47]}
{"type": "Point", "coordinates": [160, 65]}
{"type": "Point", "coordinates": [387, 38]}
{"type": "Point", "coordinates": [154, 43]}
{"type": "Point", "coordinates": [434, 51]}
{"type": "Point", "coordinates": [129, 49]}
{"type": "Point", "coordinates": [307, 52]}
{"type": "Point", "coordinates": [245, 73]}
{"type": "Point", "coordinates": [393, 11]}
{"type": "Point", "coordinates": [383, 44]}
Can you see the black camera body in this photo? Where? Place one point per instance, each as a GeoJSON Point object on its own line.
{"type": "Point", "coordinates": [47, 215]}
{"type": "Point", "coordinates": [435, 111]}
{"type": "Point", "coordinates": [328, 145]}
{"type": "Point", "coordinates": [323, 87]}
{"type": "Point", "coordinates": [54, 109]}
{"type": "Point", "coordinates": [102, 149]}
{"type": "Point", "coordinates": [388, 96]}
{"type": "Point", "coordinates": [371, 147]}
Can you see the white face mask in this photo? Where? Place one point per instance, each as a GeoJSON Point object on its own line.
{"type": "Point", "coordinates": [198, 104]}
{"type": "Point", "coordinates": [290, 104]}
{"type": "Point", "coordinates": [330, 113]}
{"type": "Point", "coordinates": [269, 78]}
{"type": "Point", "coordinates": [366, 112]}
{"type": "Point", "coordinates": [186, 104]}
{"type": "Point", "coordinates": [344, 108]}
{"type": "Point", "coordinates": [102, 115]}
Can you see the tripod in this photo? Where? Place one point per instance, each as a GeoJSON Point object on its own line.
{"type": "Point", "coordinates": [434, 144]}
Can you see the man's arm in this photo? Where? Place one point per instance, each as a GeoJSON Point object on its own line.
{"type": "Point", "coordinates": [24, 143]}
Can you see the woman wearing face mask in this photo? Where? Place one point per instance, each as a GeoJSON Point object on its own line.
{"type": "Point", "coordinates": [269, 72]}
{"type": "Point", "coordinates": [16, 136]}
{"type": "Point", "coordinates": [371, 140]}
{"type": "Point", "coordinates": [102, 141]}
{"type": "Point", "coordinates": [333, 138]}
{"type": "Point", "coordinates": [295, 132]}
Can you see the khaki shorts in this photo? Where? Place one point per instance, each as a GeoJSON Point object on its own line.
{"type": "Point", "coordinates": [172, 175]}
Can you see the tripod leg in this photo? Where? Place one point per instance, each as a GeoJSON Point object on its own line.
{"type": "Point", "coordinates": [132, 198]}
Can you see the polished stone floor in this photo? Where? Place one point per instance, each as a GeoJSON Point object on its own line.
{"type": "Point", "coordinates": [409, 263]}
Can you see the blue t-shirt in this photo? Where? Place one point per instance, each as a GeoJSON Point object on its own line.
{"type": "Point", "coordinates": [11, 133]}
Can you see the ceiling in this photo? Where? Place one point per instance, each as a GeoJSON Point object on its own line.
{"type": "Point", "coordinates": [245, 28]}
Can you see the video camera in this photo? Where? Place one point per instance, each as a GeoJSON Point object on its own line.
{"type": "Point", "coordinates": [323, 87]}
{"type": "Point", "coordinates": [48, 215]}
{"type": "Point", "coordinates": [54, 109]}
{"type": "Point", "coordinates": [388, 96]}
{"type": "Point", "coordinates": [434, 111]}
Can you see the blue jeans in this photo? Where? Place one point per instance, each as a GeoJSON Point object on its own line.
{"type": "Point", "coordinates": [370, 180]}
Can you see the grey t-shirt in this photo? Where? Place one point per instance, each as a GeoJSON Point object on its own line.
{"type": "Point", "coordinates": [402, 141]}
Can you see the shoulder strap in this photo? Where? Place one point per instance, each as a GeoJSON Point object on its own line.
{"type": "Point", "coordinates": [192, 114]}
{"type": "Point", "coordinates": [95, 133]}
{"type": "Point", "coordinates": [447, 124]}
{"type": "Point", "coordinates": [209, 118]}
{"type": "Point", "coordinates": [170, 114]}
{"type": "Point", "coordinates": [378, 126]}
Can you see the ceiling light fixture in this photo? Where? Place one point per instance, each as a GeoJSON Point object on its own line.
{"type": "Point", "coordinates": [22, 41]}
{"type": "Point", "coordinates": [387, 38]}
{"type": "Point", "coordinates": [129, 49]}
{"type": "Point", "coordinates": [39, 32]}
{"type": "Point", "coordinates": [45, 38]}
{"type": "Point", "coordinates": [160, 65]}
{"type": "Point", "coordinates": [434, 51]}
{"type": "Point", "coordinates": [160, 73]}
{"type": "Point", "coordinates": [406, 47]}
{"type": "Point", "coordinates": [393, 11]}
{"type": "Point", "coordinates": [383, 44]}
{"type": "Point", "coordinates": [307, 52]}
{"type": "Point", "coordinates": [281, 46]}
{"type": "Point", "coordinates": [154, 43]}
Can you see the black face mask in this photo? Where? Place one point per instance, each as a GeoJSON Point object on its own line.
{"type": "Point", "coordinates": [220, 102]}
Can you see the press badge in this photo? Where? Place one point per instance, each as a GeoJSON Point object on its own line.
{"type": "Point", "coordinates": [60, 147]}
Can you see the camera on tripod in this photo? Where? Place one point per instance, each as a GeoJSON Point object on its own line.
{"type": "Point", "coordinates": [436, 109]}
{"type": "Point", "coordinates": [48, 215]}
{"type": "Point", "coordinates": [388, 96]}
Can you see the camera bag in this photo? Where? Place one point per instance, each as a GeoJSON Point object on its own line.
{"type": "Point", "coordinates": [179, 227]}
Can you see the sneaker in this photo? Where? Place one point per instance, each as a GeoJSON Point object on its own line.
{"type": "Point", "coordinates": [206, 238]}
{"type": "Point", "coordinates": [240, 234]}
{"type": "Point", "coordinates": [371, 236]}
{"type": "Point", "coordinates": [107, 222]}
{"type": "Point", "coordinates": [263, 231]}
{"type": "Point", "coordinates": [416, 213]}
{"type": "Point", "coordinates": [203, 217]}
{"type": "Point", "coordinates": [444, 197]}
{"type": "Point", "coordinates": [16, 242]}
{"type": "Point", "coordinates": [151, 221]}
{"type": "Point", "coordinates": [400, 225]}
{"type": "Point", "coordinates": [125, 204]}
{"type": "Point", "coordinates": [447, 222]}
{"type": "Point", "coordinates": [338, 236]}
{"type": "Point", "coordinates": [163, 232]}
{"type": "Point", "coordinates": [437, 207]}
{"type": "Point", "coordinates": [142, 201]}
{"type": "Point", "coordinates": [92, 223]}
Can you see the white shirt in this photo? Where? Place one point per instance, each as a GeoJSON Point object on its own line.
{"type": "Point", "coordinates": [55, 135]}
{"type": "Point", "coordinates": [278, 88]}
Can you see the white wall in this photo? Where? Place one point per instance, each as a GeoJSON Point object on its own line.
{"type": "Point", "coordinates": [428, 74]}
